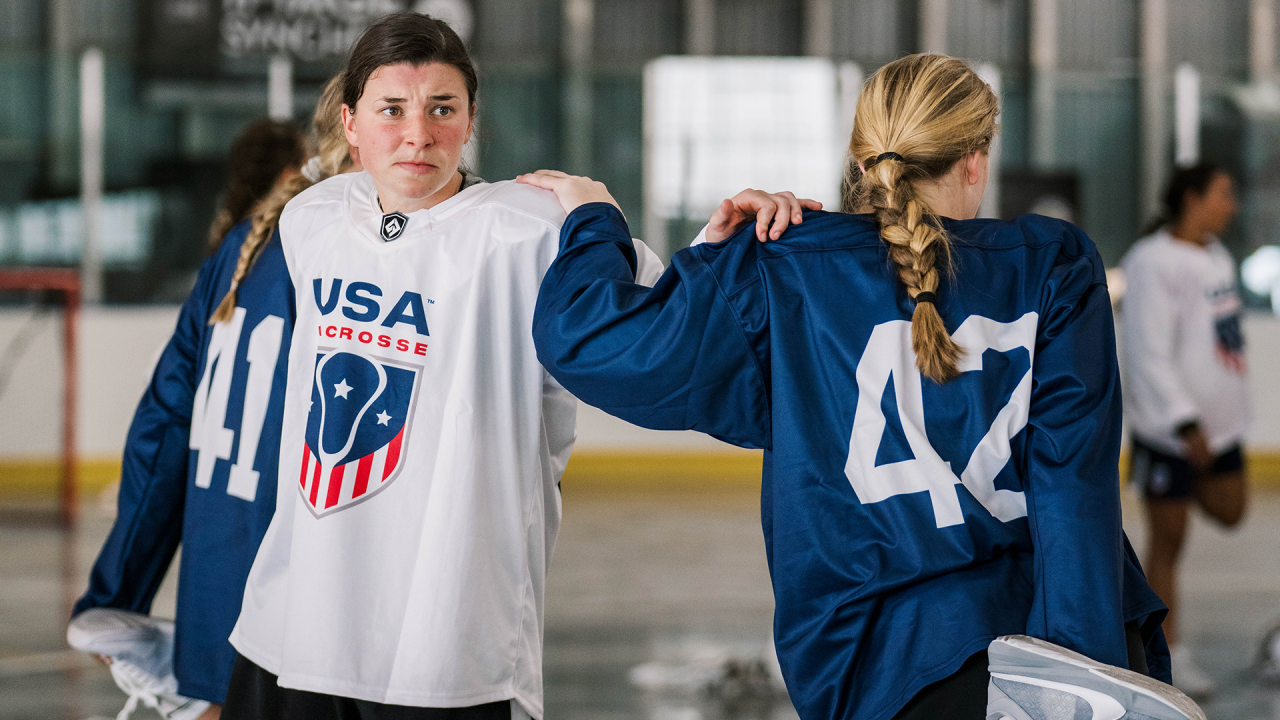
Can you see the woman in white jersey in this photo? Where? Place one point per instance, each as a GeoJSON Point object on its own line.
{"type": "Point", "coordinates": [422, 442]}
{"type": "Point", "coordinates": [1185, 389]}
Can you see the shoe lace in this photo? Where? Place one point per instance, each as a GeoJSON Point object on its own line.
{"type": "Point", "coordinates": [134, 681]}
{"type": "Point", "coordinates": [132, 704]}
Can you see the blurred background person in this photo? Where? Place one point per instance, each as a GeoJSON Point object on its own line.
{"type": "Point", "coordinates": [1186, 394]}
{"type": "Point", "coordinates": [180, 481]}
{"type": "Point", "coordinates": [261, 155]}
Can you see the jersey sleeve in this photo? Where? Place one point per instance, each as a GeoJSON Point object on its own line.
{"type": "Point", "coordinates": [1151, 312]}
{"type": "Point", "coordinates": [674, 357]}
{"type": "Point", "coordinates": [1073, 448]}
{"type": "Point", "coordinates": [649, 266]}
{"type": "Point", "coordinates": [153, 477]}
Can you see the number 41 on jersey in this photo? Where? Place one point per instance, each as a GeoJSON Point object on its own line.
{"type": "Point", "coordinates": [210, 435]}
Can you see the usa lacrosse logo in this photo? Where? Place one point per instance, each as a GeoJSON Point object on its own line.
{"type": "Point", "coordinates": [356, 428]}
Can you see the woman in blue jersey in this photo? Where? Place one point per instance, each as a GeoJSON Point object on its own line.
{"type": "Point", "coordinates": [939, 404]}
{"type": "Point", "coordinates": [200, 460]}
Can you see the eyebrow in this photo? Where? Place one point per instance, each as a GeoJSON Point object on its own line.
{"type": "Point", "coordinates": [437, 98]}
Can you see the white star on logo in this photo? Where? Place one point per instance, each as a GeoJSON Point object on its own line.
{"type": "Point", "coordinates": [341, 389]}
{"type": "Point", "coordinates": [384, 418]}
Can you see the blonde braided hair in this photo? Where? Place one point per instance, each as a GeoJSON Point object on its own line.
{"type": "Point", "coordinates": [334, 159]}
{"type": "Point", "coordinates": [916, 118]}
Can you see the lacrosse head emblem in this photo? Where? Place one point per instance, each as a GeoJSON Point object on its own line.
{"type": "Point", "coordinates": [356, 428]}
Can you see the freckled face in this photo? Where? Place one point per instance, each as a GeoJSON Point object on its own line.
{"type": "Point", "coordinates": [408, 129]}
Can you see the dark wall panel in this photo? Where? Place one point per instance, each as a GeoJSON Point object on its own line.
{"type": "Point", "coordinates": [1098, 35]}
{"type": "Point", "coordinates": [873, 32]}
{"type": "Point", "coordinates": [631, 32]}
{"type": "Point", "coordinates": [758, 27]}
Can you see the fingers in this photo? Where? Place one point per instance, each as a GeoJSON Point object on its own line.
{"type": "Point", "coordinates": [572, 191]}
{"type": "Point", "coordinates": [774, 213]}
{"type": "Point", "coordinates": [766, 212]}
{"type": "Point", "coordinates": [789, 211]}
{"type": "Point", "coordinates": [799, 205]}
{"type": "Point", "coordinates": [546, 182]}
{"type": "Point", "coordinates": [723, 217]}
{"type": "Point", "coordinates": [545, 179]}
{"type": "Point", "coordinates": [552, 173]}
{"type": "Point", "coordinates": [723, 222]}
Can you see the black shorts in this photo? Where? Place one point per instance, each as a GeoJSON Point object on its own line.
{"type": "Point", "coordinates": [255, 695]}
{"type": "Point", "coordinates": [1169, 477]}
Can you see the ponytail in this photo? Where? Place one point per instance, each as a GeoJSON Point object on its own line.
{"type": "Point", "coordinates": [916, 118]}
{"type": "Point", "coordinates": [917, 247]}
{"type": "Point", "coordinates": [259, 154]}
{"type": "Point", "coordinates": [334, 159]}
{"type": "Point", "coordinates": [265, 219]}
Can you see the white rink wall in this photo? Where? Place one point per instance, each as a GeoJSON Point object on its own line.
{"type": "Point", "coordinates": [118, 347]}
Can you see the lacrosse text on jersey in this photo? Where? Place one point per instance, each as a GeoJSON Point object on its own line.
{"type": "Point", "coordinates": [364, 302]}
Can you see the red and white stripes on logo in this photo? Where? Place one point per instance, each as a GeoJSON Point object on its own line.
{"type": "Point", "coordinates": [326, 488]}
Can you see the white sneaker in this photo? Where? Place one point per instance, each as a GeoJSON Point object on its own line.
{"type": "Point", "coordinates": [1036, 680]}
{"type": "Point", "coordinates": [141, 652]}
{"type": "Point", "coordinates": [1187, 676]}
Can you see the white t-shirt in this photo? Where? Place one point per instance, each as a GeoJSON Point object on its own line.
{"type": "Point", "coordinates": [1182, 342]}
{"type": "Point", "coordinates": [421, 451]}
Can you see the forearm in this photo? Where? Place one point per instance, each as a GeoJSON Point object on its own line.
{"type": "Point", "coordinates": [673, 357]}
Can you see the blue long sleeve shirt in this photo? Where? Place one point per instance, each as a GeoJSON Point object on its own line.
{"type": "Point", "coordinates": [907, 523]}
{"type": "Point", "coordinates": [199, 465]}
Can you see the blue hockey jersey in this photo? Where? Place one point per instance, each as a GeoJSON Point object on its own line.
{"type": "Point", "coordinates": [907, 523]}
{"type": "Point", "coordinates": [200, 464]}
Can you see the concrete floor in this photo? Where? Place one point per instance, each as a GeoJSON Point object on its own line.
{"type": "Point", "coordinates": [674, 577]}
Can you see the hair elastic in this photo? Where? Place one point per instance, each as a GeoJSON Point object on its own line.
{"type": "Point", "coordinates": [313, 170]}
{"type": "Point", "coordinates": [884, 156]}
{"type": "Point", "coordinates": [925, 297]}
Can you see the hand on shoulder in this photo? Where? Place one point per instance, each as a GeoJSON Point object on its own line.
{"type": "Point", "coordinates": [571, 190]}
{"type": "Point", "coordinates": [773, 213]}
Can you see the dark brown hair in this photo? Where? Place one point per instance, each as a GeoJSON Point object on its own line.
{"type": "Point", "coordinates": [406, 37]}
{"type": "Point", "coordinates": [258, 155]}
{"type": "Point", "coordinates": [1186, 180]}
{"type": "Point", "coordinates": [1195, 179]}
{"type": "Point", "coordinates": [334, 159]}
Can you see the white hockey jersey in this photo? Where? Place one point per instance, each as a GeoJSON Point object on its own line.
{"type": "Point", "coordinates": [1182, 342]}
{"type": "Point", "coordinates": [422, 447]}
